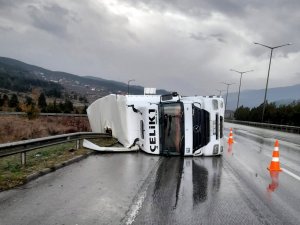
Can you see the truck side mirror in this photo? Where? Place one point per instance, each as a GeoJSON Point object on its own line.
{"type": "Point", "coordinates": [169, 97]}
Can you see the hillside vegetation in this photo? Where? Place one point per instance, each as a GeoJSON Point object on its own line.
{"type": "Point", "coordinates": [20, 81]}
{"type": "Point", "coordinates": [283, 114]}
{"type": "Point", "coordinates": [89, 87]}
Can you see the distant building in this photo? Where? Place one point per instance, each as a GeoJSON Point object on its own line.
{"type": "Point", "coordinates": [149, 91]}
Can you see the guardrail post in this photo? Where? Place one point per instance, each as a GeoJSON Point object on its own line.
{"type": "Point", "coordinates": [77, 144]}
{"type": "Point", "coordinates": [23, 158]}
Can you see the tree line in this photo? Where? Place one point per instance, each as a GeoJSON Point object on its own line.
{"type": "Point", "coordinates": [21, 81]}
{"type": "Point", "coordinates": [32, 107]}
{"type": "Point", "coordinates": [282, 114]}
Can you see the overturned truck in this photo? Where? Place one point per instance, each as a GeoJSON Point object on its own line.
{"type": "Point", "coordinates": [162, 124]}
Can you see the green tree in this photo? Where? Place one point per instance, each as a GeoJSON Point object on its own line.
{"type": "Point", "coordinates": [283, 114]}
{"type": "Point", "coordinates": [52, 108]}
{"type": "Point", "coordinates": [256, 112]}
{"type": "Point", "coordinates": [32, 112]}
{"type": "Point", "coordinates": [54, 92]}
{"type": "Point", "coordinates": [68, 106]}
{"type": "Point", "coordinates": [84, 109]}
{"type": "Point", "coordinates": [1, 101]}
{"type": "Point", "coordinates": [42, 102]}
{"type": "Point", "coordinates": [296, 115]}
{"type": "Point", "coordinates": [28, 100]}
{"type": "Point", "coordinates": [242, 113]}
{"type": "Point", "coordinates": [83, 99]}
{"type": "Point", "coordinates": [14, 101]}
{"type": "Point", "coordinates": [61, 107]}
{"type": "Point", "coordinates": [270, 113]}
{"type": "Point", "coordinates": [5, 100]}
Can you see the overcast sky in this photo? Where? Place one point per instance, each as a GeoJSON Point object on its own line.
{"type": "Point", "coordinates": [187, 46]}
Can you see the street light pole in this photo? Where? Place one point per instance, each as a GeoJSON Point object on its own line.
{"type": "Point", "coordinates": [228, 84]}
{"type": "Point", "coordinates": [272, 48]}
{"type": "Point", "coordinates": [220, 91]}
{"type": "Point", "coordinates": [128, 85]}
{"type": "Point", "coordinates": [237, 105]}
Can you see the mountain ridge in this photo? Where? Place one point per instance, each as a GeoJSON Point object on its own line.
{"type": "Point", "coordinates": [255, 97]}
{"type": "Point", "coordinates": [96, 87]}
{"type": "Point", "coordinates": [93, 87]}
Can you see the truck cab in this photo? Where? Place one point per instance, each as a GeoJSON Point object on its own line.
{"type": "Point", "coordinates": [186, 126]}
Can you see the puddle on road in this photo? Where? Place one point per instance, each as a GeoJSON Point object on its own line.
{"type": "Point", "coordinates": [186, 181]}
{"type": "Point", "coordinates": [274, 181]}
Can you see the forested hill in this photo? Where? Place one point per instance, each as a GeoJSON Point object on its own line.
{"type": "Point", "coordinates": [14, 74]}
{"type": "Point", "coordinates": [22, 81]}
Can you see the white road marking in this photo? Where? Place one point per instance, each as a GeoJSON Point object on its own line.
{"type": "Point", "coordinates": [291, 174]}
{"type": "Point", "coordinates": [136, 208]}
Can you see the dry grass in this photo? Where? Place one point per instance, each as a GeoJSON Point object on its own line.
{"type": "Point", "coordinates": [17, 128]}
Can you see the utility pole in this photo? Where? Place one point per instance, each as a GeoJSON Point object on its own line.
{"type": "Point", "coordinates": [220, 91]}
{"type": "Point", "coordinates": [272, 48]}
{"type": "Point", "coordinates": [228, 84]}
{"type": "Point", "coordinates": [237, 105]}
{"type": "Point", "coordinates": [128, 85]}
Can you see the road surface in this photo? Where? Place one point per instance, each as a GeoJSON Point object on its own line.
{"type": "Point", "coordinates": [136, 188]}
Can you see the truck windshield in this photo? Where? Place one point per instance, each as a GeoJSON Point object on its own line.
{"type": "Point", "coordinates": [172, 128]}
{"type": "Point", "coordinates": [201, 128]}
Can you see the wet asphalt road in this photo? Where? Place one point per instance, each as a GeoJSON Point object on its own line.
{"type": "Point", "coordinates": [233, 189]}
{"type": "Point", "coordinates": [136, 188]}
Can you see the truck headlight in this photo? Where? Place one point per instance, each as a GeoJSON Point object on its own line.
{"type": "Point", "coordinates": [216, 149]}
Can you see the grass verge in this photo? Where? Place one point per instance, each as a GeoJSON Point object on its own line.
{"type": "Point", "coordinates": [13, 174]}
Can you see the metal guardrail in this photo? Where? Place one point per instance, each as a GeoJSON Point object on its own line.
{"type": "Point", "coordinates": [284, 128]}
{"type": "Point", "coordinates": [42, 114]}
{"type": "Point", "coordinates": [22, 147]}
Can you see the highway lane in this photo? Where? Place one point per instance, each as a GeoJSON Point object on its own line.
{"type": "Point", "coordinates": [278, 191]}
{"type": "Point", "coordinates": [236, 188]}
{"type": "Point", "coordinates": [136, 188]}
{"type": "Point", "coordinates": [267, 134]}
{"type": "Point", "coordinates": [97, 190]}
{"type": "Point", "coordinates": [233, 189]}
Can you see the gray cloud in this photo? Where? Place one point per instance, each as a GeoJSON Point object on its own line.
{"type": "Point", "coordinates": [7, 4]}
{"type": "Point", "coordinates": [202, 37]}
{"type": "Point", "coordinates": [51, 18]}
{"type": "Point", "coordinates": [188, 46]}
{"type": "Point", "coordinates": [6, 28]}
{"type": "Point", "coordinates": [273, 20]}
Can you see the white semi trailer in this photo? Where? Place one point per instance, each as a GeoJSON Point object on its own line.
{"type": "Point", "coordinates": [162, 124]}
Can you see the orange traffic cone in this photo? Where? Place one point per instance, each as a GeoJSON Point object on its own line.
{"type": "Point", "coordinates": [230, 139]}
{"type": "Point", "coordinates": [275, 165]}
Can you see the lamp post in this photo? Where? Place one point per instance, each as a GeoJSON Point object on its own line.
{"type": "Point", "coordinates": [220, 91]}
{"type": "Point", "coordinates": [272, 48]}
{"type": "Point", "coordinates": [228, 84]}
{"type": "Point", "coordinates": [128, 85]}
{"type": "Point", "coordinates": [237, 105]}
